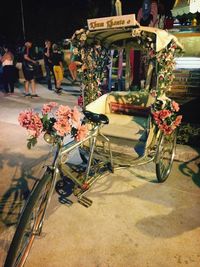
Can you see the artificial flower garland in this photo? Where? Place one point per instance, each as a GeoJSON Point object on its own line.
{"type": "Point", "coordinates": [164, 110]}
{"type": "Point", "coordinates": [96, 58]}
{"type": "Point", "coordinates": [57, 121]}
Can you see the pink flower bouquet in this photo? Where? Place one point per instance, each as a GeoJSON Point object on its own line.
{"type": "Point", "coordinates": [57, 121]}
{"type": "Point", "coordinates": [164, 112]}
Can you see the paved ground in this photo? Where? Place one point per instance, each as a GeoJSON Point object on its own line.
{"type": "Point", "coordinates": [134, 221]}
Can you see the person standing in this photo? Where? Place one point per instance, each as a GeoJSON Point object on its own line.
{"type": "Point", "coordinates": [28, 68]}
{"type": "Point", "coordinates": [48, 63]}
{"type": "Point", "coordinates": [74, 63]}
{"type": "Point", "coordinates": [147, 14]}
{"type": "Point", "coordinates": [8, 71]}
{"type": "Point", "coordinates": [57, 67]}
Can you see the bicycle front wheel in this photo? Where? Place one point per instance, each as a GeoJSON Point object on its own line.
{"type": "Point", "coordinates": [30, 222]}
{"type": "Point", "coordinates": [165, 156]}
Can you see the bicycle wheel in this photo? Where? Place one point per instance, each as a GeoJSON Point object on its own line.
{"type": "Point", "coordinates": [30, 222]}
{"type": "Point", "coordinates": [165, 156]}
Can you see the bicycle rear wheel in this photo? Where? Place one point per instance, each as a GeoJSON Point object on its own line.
{"type": "Point", "coordinates": [165, 156]}
{"type": "Point", "coordinates": [30, 222]}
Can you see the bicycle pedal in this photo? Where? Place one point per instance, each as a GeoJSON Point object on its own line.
{"type": "Point", "coordinates": [86, 202]}
{"type": "Point", "coordinates": [64, 200]}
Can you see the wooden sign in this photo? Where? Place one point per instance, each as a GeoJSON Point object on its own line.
{"type": "Point", "coordinates": [112, 22]}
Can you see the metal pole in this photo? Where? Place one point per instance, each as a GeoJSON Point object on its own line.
{"type": "Point", "coordinates": [118, 7]}
{"type": "Point", "coordinates": [22, 17]}
{"type": "Point", "coordinates": [112, 7]}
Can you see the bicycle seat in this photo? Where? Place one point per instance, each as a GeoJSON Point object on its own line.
{"type": "Point", "coordinates": [95, 117]}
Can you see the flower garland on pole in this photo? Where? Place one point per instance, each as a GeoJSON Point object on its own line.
{"type": "Point", "coordinates": [164, 110]}
{"type": "Point", "coordinates": [95, 59]}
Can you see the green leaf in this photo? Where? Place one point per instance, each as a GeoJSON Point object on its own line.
{"type": "Point", "coordinates": [32, 141]}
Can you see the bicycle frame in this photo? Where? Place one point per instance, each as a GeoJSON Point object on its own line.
{"type": "Point", "coordinates": [59, 166]}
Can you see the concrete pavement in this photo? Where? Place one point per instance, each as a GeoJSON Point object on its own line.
{"type": "Point", "coordinates": [134, 221]}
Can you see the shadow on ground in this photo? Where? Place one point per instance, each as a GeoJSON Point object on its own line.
{"type": "Point", "coordinates": [22, 182]}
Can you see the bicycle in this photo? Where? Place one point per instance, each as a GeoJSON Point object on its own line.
{"type": "Point", "coordinates": [32, 217]}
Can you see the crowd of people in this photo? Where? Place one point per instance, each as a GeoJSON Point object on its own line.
{"type": "Point", "coordinates": [53, 62]}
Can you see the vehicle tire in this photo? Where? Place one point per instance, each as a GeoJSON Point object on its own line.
{"type": "Point", "coordinates": [165, 155]}
{"type": "Point", "coordinates": [30, 222]}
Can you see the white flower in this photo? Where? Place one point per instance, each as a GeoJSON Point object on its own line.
{"type": "Point", "coordinates": [83, 37]}
{"type": "Point", "coordinates": [163, 98]}
{"type": "Point", "coordinates": [149, 39]}
{"type": "Point", "coordinates": [136, 32]}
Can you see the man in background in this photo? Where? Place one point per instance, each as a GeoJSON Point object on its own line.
{"type": "Point", "coordinates": [48, 63]}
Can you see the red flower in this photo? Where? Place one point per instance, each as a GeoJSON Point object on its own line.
{"type": "Point", "coordinates": [165, 128]}
{"type": "Point", "coordinates": [178, 120]}
{"type": "Point", "coordinates": [156, 117]}
{"type": "Point", "coordinates": [164, 114]}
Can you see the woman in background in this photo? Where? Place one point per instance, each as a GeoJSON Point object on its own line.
{"type": "Point", "coordinates": [9, 74]}
{"type": "Point", "coordinates": [148, 13]}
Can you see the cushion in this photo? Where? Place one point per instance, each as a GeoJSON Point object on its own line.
{"type": "Point", "coordinates": [129, 109]}
{"type": "Point", "coordinates": [126, 127]}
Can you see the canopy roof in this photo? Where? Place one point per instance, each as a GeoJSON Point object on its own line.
{"type": "Point", "coordinates": [185, 6]}
{"type": "Point", "coordinates": [121, 37]}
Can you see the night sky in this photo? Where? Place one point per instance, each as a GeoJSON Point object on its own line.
{"type": "Point", "coordinates": [55, 20]}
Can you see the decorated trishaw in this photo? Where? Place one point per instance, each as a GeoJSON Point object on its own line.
{"type": "Point", "coordinates": [140, 114]}
{"type": "Point", "coordinates": [143, 120]}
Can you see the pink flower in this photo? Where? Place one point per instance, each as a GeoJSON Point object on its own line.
{"type": "Point", "coordinates": [76, 115]}
{"type": "Point", "coordinates": [48, 107]}
{"type": "Point", "coordinates": [175, 106]}
{"type": "Point", "coordinates": [63, 112]}
{"type": "Point", "coordinates": [81, 133]}
{"type": "Point", "coordinates": [62, 127]}
{"type": "Point", "coordinates": [31, 121]}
